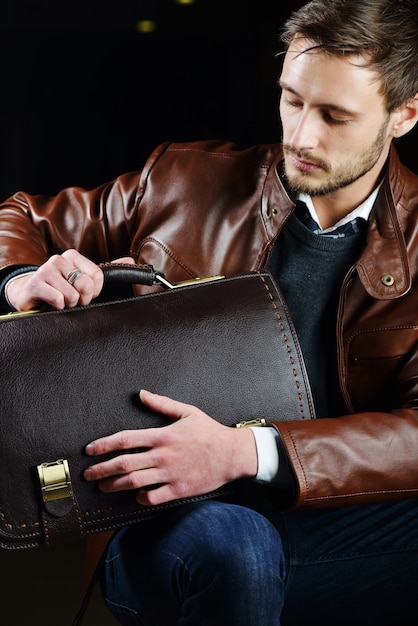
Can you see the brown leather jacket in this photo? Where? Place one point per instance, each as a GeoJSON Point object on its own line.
{"type": "Point", "coordinates": [210, 207]}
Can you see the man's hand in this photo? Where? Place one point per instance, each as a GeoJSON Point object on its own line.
{"type": "Point", "coordinates": [65, 280]}
{"type": "Point", "coordinates": [192, 456]}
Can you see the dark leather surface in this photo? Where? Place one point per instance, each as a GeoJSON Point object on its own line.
{"type": "Point", "coordinates": [68, 377]}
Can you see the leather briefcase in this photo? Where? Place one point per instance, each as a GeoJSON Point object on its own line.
{"type": "Point", "coordinates": [227, 346]}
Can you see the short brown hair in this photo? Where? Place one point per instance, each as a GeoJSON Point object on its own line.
{"type": "Point", "coordinates": [383, 32]}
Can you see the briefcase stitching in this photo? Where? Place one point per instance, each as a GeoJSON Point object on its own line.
{"type": "Point", "coordinates": [289, 350]}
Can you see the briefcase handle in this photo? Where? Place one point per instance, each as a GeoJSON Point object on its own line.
{"type": "Point", "coordinates": [132, 274]}
{"type": "Point", "coordinates": [144, 275]}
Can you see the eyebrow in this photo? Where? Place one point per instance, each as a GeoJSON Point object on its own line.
{"type": "Point", "coordinates": [325, 105]}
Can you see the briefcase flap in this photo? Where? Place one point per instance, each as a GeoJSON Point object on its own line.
{"type": "Point", "coordinates": [68, 377]}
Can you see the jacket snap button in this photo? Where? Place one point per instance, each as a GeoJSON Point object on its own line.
{"type": "Point", "coordinates": [387, 280]}
{"type": "Point", "coordinates": [274, 210]}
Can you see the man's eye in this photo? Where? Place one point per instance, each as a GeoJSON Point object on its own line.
{"type": "Point", "coordinates": [293, 103]}
{"type": "Point", "coordinates": [335, 120]}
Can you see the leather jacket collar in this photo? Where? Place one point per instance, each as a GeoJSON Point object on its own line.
{"type": "Point", "coordinates": [383, 266]}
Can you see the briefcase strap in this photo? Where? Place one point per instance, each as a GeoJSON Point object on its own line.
{"type": "Point", "coordinates": [62, 521]}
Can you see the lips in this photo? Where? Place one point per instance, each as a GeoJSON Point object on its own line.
{"type": "Point", "coordinates": [304, 166]}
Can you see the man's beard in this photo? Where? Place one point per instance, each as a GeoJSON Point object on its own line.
{"type": "Point", "coordinates": [344, 175]}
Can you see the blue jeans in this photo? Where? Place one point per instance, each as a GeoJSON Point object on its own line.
{"type": "Point", "coordinates": [216, 564]}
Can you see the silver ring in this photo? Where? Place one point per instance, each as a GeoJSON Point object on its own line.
{"type": "Point", "coordinates": [72, 275]}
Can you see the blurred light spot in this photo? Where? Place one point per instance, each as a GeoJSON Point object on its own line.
{"type": "Point", "coordinates": [185, 1]}
{"type": "Point", "coordinates": [146, 26]}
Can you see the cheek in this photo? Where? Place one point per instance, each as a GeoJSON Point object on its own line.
{"type": "Point", "coordinates": [355, 142]}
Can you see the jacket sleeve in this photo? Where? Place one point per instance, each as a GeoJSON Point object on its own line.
{"type": "Point", "coordinates": [353, 459]}
{"type": "Point", "coordinates": [98, 223]}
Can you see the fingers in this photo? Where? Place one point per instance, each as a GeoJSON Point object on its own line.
{"type": "Point", "coordinates": [24, 293]}
{"type": "Point", "coordinates": [144, 439]}
{"type": "Point", "coordinates": [166, 406]}
{"type": "Point", "coordinates": [79, 279]}
{"type": "Point", "coordinates": [172, 461]}
{"type": "Point", "coordinates": [148, 437]}
{"type": "Point", "coordinates": [122, 440]}
{"type": "Point", "coordinates": [121, 468]}
{"type": "Point", "coordinates": [153, 497]}
{"type": "Point", "coordinates": [141, 472]}
{"type": "Point", "coordinates": [135, 470]}
{"type": "Point", "coordinates": [151, 484]}
{"type": "Point", "coordinates": [65, 280]}
{"type": "Point", "coordinates": [189, 457]}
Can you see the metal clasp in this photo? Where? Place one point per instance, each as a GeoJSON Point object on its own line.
{"type": "Point", "coordinates": [55, 480]}
{"type": "Point", "coordinates": [193, 281]}
{"type": "Point", "coordinates": [15, 314]}
{"type": "Point", "coordinates": [251, 423]}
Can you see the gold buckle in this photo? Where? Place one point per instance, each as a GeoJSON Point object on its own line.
{"type": "Point", "coordinates": [55, 480]}
{"type": "Point", "coordinates": [185, 283]}
{"type": "Point", "coordinates": [252, 423]}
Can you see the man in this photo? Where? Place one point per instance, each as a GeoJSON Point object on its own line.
{"type": "Point", "coordinates": [344, 549]}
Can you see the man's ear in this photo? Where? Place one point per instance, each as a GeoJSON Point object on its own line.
{"type": "Point", "coordinates": [405, 117]}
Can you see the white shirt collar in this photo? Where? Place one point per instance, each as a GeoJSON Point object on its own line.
{"type": "Point", "coordinates": [363, 210]}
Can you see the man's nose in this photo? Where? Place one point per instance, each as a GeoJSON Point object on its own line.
{"type": "Point", "coordinates": [305, 135]}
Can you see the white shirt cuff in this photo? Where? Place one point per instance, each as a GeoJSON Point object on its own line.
{"type": "Point", "coordinates": [268, 455]}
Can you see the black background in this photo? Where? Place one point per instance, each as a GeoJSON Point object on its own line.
{"type": "Point", "coordinates": [85, 96]}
